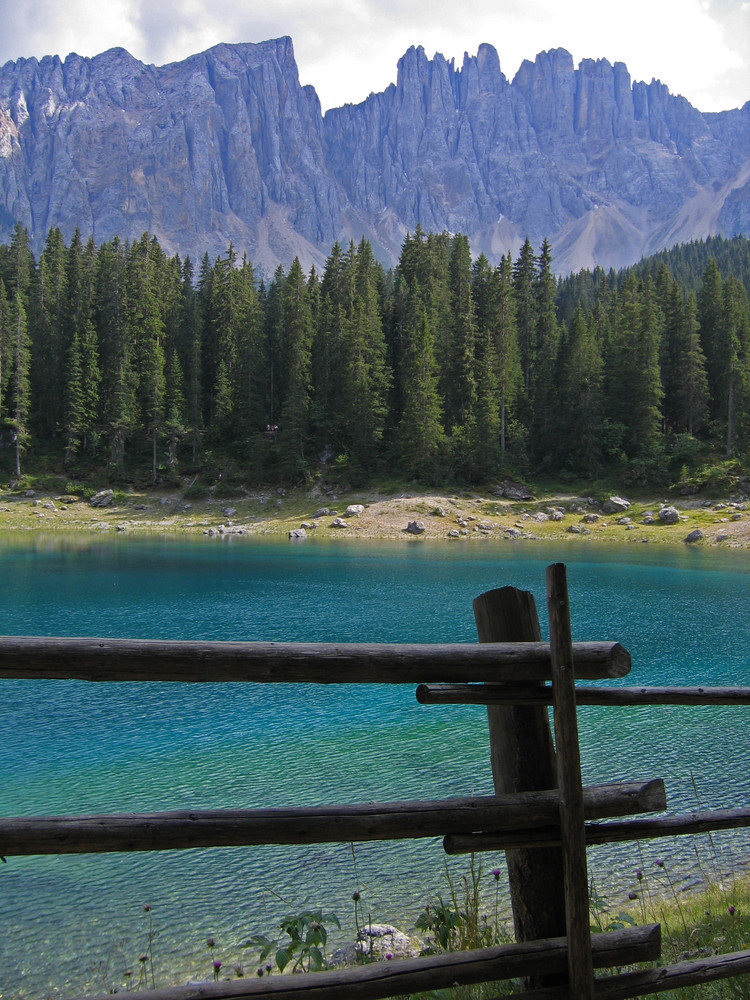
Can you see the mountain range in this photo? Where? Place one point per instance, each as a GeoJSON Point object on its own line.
{"type": "Point", "coordinates": [227, 145]}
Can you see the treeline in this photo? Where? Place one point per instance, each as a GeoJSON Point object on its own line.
{"type": "Point", "coordinates": [446, 368]}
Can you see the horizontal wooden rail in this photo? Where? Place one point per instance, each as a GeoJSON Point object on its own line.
{"type": "Point", "coordinates": [317, 825]}
{"type": "Point", "coordinates": [28, 657]}
{"type": "Point", "coordinates": [524, 694]}
{"type": "Point", "coordinates": [603, 833]}
{"type": "Point", "coordinates": [661, 980]}
{"type": "Point", "coordinates": [413, 975]}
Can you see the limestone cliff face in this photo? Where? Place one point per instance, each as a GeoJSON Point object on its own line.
{"type": "Point", "coordinates": [228, 145]}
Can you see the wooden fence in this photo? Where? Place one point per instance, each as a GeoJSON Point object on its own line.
{"type": "Point", "coordinates": [540, 814]}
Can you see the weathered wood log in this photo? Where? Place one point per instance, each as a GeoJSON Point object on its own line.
{"type": "Point", "coordinates": [669, 977]}
{"type": "Point", "coordinates": [315, 663]}
{"type": "Point", "coordinates": [523, 758]}
{"type": "Point", "coordinates": [411, 975]}
{"type": "Point", "coordinates": [580, 966]}
{"type": "Point", "coordinates": [314, 825]}
{"type": "Point", "coordinates": [602, 833]}
{"type": "Point", "coordinates": [524, 694]}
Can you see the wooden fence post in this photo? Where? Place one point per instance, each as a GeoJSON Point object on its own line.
{"type": "Point", "coordinates": [572, 827]}
{"type": "Point", "coordinates": [523, 759]}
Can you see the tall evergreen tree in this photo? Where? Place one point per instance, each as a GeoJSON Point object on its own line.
{"type": "Point", "coordinates": [420, 433]}
{"type": "Point", "coordinates": [19, 395]}
{"type": "Point", "coordinates": [295, 352]}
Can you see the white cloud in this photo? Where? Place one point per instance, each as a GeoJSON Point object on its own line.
{"type": "Point", "coordinates": [347, 48]}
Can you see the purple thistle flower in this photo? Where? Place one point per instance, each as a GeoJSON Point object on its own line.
{"type": "Point", "coordinates": [731, 911]}
{"type": "Point", "coordinates": [356, 897]}
{"type": "Point", "coordinates": [388, 956]}
{"type": "Point", "coordinates": [659, 863]}
{"type": "Point", "coordinates": [496, 873]}
{"type": "Point", "coordinates": [260, 972]}
{"type": "Point", "coordinates": [217, 964]}
{"type": "Point", "coordinates": [639, 875]}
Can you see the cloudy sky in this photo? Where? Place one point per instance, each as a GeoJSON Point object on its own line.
{"type": "Point", "coordinates": [349, 48]}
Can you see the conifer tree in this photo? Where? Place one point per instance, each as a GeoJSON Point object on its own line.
{"type": "Point", "coordinates": [580, 398]}
{"type": "Point", "coordinates": [543, 360]}
{"type": "Point", "coordinates": [19, 395]}
{"type": "Point", "coordinates": [458, 368]}
{"type": "Point", "coordinates": [420, 432]}
{"type": "Point", "coordinates": [82, 389]}
{"type": "Point", "coordinates": [50, 335]}
{"type": "Point", "coordinates": [295, 352]}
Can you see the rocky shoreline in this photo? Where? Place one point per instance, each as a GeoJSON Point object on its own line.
{"type": "Point", "coordinates": [507, 514]}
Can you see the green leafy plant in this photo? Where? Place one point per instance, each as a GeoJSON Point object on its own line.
{"type": "Point", "coordinates": [302, 949]}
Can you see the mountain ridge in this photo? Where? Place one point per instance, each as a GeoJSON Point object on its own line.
{"type": "Point", "coordinates": [228, 145]}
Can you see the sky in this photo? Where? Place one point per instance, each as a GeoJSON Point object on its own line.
{"type": "Point", "coordinates": [349, 48]}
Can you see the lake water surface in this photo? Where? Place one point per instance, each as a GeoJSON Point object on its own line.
{"type": "Point", "coordinates": [75, 924]}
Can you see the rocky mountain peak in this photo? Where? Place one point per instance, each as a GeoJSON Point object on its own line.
{"type": "Point", "coordinates": [227, 145]}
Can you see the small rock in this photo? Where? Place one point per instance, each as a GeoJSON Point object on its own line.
{"type": "Point", "coordinates": [102, 499]}
{"type": "Point", "coordinates": [514, 491]}
{"type": "Point", "coordinates": [615, 505]}
{"type": "Point", "coordinates": [513, 532]}
{"type": "Point", "coordinates": [377, 942]}
{"type": "Point", "coordinates": [669, 515]}
{"type": "Point", "coordinates": [165, 501]}
{"type": "Point", "coordinates": [297, 533]}
{"type": "Point", "coordinates": [354, 510]}
{"type": "Point", "coordinates": [228, 511]}
{"type": "Point", "coordinates": [339, 522]}
{"type": "Point", "coordinates": [323, 512]}
{"type": "Point", "coordinates": [589, 518]}
{"type": "Point", "coordinates": [415, 527]}
{"type": "Point", "coordinates": [454, 533]}
{"type": "Point", "coordinates": [574, 529]}
{"type": "Point", "coordinates": [695, 536]}
{"type": "Point", "coordinates": [305, 525]}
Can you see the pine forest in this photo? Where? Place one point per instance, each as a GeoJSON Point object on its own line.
{"type": "Point", "coordinates": [118, 358]}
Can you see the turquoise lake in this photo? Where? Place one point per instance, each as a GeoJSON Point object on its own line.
{"type": "Point", "coordinates": [72, 925]}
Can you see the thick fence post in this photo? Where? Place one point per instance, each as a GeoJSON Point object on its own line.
{"type": "Point", "coordinates": [523, 759]}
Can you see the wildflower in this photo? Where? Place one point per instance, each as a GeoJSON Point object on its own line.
{"type": "Point", "coordinates": [143, 959]}
{"type": "Point", "coordinates": [146, 907]}
{"type": "Point", "coordinates": [260, 972]}
{"type": "Point", "coordinates": [659, 863]}
{"type": "Point", "coordinates": [217, 967]}
{"type": "Point", "coordinates": [210, 943]}
{"type": "Point", "coordinates": [496, 873]}
{"type": "Point", "coordinates": [128, 973]}
{"type": "Point", "coordinates": [731, 911]}
{"type": "Point", "coordinates": [239, 971]}
{"type": "Point", "coordinates": [632, 895]}
{"type": "Point", "coordinates": [356, 897]}
{"type": "Point", "coordinates": [639, 875]}
{"type": "Point", "coordinates": [269, 969]}
{"type": "Point", "coordinates": [388, 956]}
